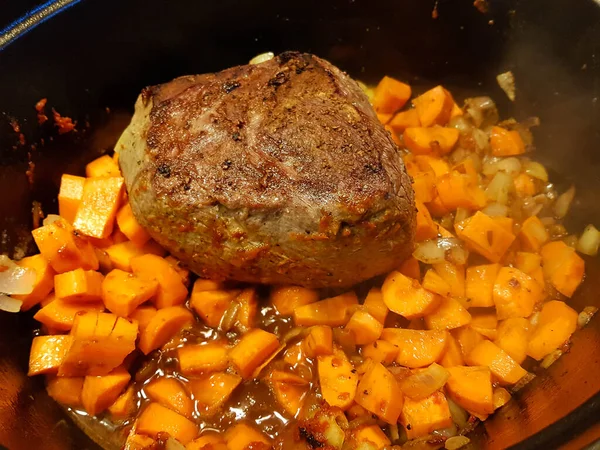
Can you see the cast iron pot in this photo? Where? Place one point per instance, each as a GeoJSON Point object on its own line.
{"type": "Point", "coordinates": [92, 59]}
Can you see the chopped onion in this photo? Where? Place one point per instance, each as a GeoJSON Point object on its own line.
{"type": "Point", "coordinates": [548, 221]}
{"type": "Point", "coordinates": [551, 358]}
{"type": "Point", "coordinates": [571, 241]}
{"type": "Point", "coordinates": [495, 210]}
{"type": "Point", "coordinates": [500, 188]}
{"type": "Point", "coordinates": [512, 166]}
{"type": "Point", "coordinates": [589, 241]}
{"type": "Point", "coordinates": [262, 58]}
{"type": "Point", "coordinates": [586, 315]}
{"type": "Point", "coordinates": [459, 416]}
{"type": "Point", "coordinates": [481, 109]}
{"type": "Point", "coordinates": [429, 252]}
{"type": "Point", "coordinates": [15, 279]}
{"type": "Point", "coordinates": [446, 433]}
{"type": "Point", "coordinates": [458, 255]}
{"type": "Point", "coordinates": [506, 81]}
{"type": "Point", "coordinates": [51, 218]}
{"type": "Point", "coordinates": [461, 124]}
{"type": "Point", "coordinates": [524, 381]}
{"type": "Point", "coordinates": [456, 442]}
{"type": "Point", "coordinates": [536, 170]}
{"type": "Point", "coordinates": [500, 397]}
{"type": "Point", "coordinates": [173, 444]}
{"type": "Point", "coordinates": [229, 316]}
{"type": "Point", "coordinates": [425, 382]}
{"type": "Point", "coordinates": [490, 166]}
{"type": "Point", "coordinates": [563, 203]}
{"type": "Point", "coordinates": [533, 320]}
{"type": "Point", "coordinates": [481, 139]}
{"type": "Point", "coordinates": [9, 304]}
{"type": "Point", "coordinates": [461, 214]}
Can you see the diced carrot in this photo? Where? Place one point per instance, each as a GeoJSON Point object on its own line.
{"type": "Point", "coordinates": [79, 285]}
{"type": "Point", "coordinates": [471, 388]}
{"type": "Point", "coordinates": [485, 236]}
{"type": "Point", "coordinates": [60, 314]}
{"type": "Point", "coordinates": [424, 186]}
{"type": "Point", "coordinates": [130, 227]}
{"type": "Point", "coordinates": [467, 339]}
{"type": "Point", "coordinates": [202, 284]}
{"type": "Point", "coordinates": [405, 119]}
{"type": "Point", "coordinates": [524, 185]}
{"type": "Point", "coordinates": [435, 283]}
{"type": "Point", "coordinates": [531, 264]}
{"type": "Point", "coordinates": [426, 141]}
{"type": "Point", "coordinates": [139, 442]}
{"type": "Point", "coordinates": [467, 167]}
{"type": "Point", "coordinates": [515, 293]}
{"type": "Point", "coordinates": [449, 314]}
{"type": "Point", "coordinates": [101, 341]}
{"type": "Point", "coordinates": [562, 267]}
{"type": "Point", "coordinates": [411, 268]}
{"type": "Point", "coordinates": [378, 392]}
{"type": "Point", "coordinates": [287, 298]}
{"type": "Point", "coordinates": [48, 353]}
{"type": "Point", "coordinates": [502, 366]}
{"type": "Point", "coordinates": [208, 357]}
{"type": "Point", "coordinates": [156, 419]}
{"type": "Point", "coordinates": [104, 166]}
{"type": "Point", "coordinates": [406, 297]}
{"type": "Point", "coordinates": [143, 315]}
{"type": "Point", "coordinates": [248, 301]}
{"type": "Point", "coordinates": [454, 275]}
{"type": "Point", "coordinates": [69, 196]}
{"type": "Point", "coordinates": [512, 337]}
{"type": "Point", "coordinates": [380, 352]}
{"type": "Point", "coordinates": [212, 391]}
{"type": "Point", "coordinates": [479, 286]}
{"type": "Point", "coordinates": [208, 441]}
{"type": "Point", "coordinates": [211, 305]}
{"type": "Point", "coordinates": [63, 248]}
{"type": "Point", "coordinates": [416, 348]}
{"type": "Point", "coordinates": [506, 143]}
{"type": "Point", "coordinates": [434, 107]}
{"type": "Point", "coordinates": [122, 253]}
{"type": "Point", "coordinates": [99, 392]}
{"type": "Point", "coordinates": [123, 292]}
{"type": "Point", "coordinates": [375, 305]}
{"type": "Point", "coordinates": [456, 190]}
{"type": "Point", "coordinates": [384, 118]}
{"type": "Point", "coordinates": [429, 162]}
{"type": "Point", "coordinates": [172, 394]}
{"type": "Point", "coordinates": [65, 390]}
{"type": "Point", "coordinates": [319, 341]}
{"type": "Point", "coordinates": [437, 208]}
{"type": "Point", "coordinates": [171, 290]}
{"type": "Point", "coordinates": [500, 397]}
{"type": "Point", "coordinates": [253, 348]}
{"type": "Point", "coordinates": [99, 203]}
{"type": "Point", "coordinates": [337, 379]}
{"type": "Point", "coordinates": [390, 95]}
{"type": "Point", "coordinates": [104, 262]}
{"type": "Point", "coordinates": [125, 405]}
{"type": "Point", "coordinates": [165, 324]}
{"type": "Point", "coordinates": [421, 417]}
{"type": "Point", "coordinates": [426, 229]}
{"type": "Point", "coordinates": [556, 323]}
{"type": "Point", "coordinates": [484, 322]}
{"type": "Point", "coordinates": [180, 268]}
{"type": "Point", "coordinates": [290, 396]}
{"type": "Point", "coordinates": [533, 234]}
{"type": "Point", "coordinates": [44, 281]}
{"type": "Point", "coordinates": [453, 354]}
{"type": "Point", "coordinates": [373, 435]}
{"type": "Point", "coordinates": [245, 437]}
{"type": "Point", "coordinates": [334, 311]}
{"type": "Point", "coordinates": [365, 327]}
{"type": "Point", "coordinates": [456, 111]}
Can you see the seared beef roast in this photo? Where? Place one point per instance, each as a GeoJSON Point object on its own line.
{"type": "Point", "coordinates": [272, 173]}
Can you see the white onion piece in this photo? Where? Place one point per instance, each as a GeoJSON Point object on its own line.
{"type": "Point", "coordinates": [461, 214]}
{"type": "Point", "coordinates": [589, 241]}
{"type": "Point", "coordinates": [534, 319]}
{"type": "Point", "coordinates": [447, 433]}
{"type": "Point", "coordinates": [500, 188]}
{"type": "Point", "coordinates": [512, 166]}
{"type": "Point", "coordinates": [461, 124]}
{"type": "Point", "coordinates": [173, 444]}
{"type": "Point", "coordinates": [506, 81]}
{"type": "Point", "coordinates": [563, 203]}
{"type": "Point", "coordinates": [495, 210]}
{"type": "Point", "coordinates": [429, 252]}
{"type": "Point", "coordinates": [481, 139]}
{"type": "Point", "coordinates": [459, 416]}
{"type": "Point", "coordinates": [51, 218]}
{"type": "Point", "coordinates": [586, 315]}
{"type": "Point", "coordinates": [425, 382]}
{"type": "Point", "coordinates": [262, 58]}
{"type": "Point", "coordinates": [458, 255]}
{"type": "Point", "coordinates": [490, 166]}
{"type": "Point", "coordinates": [551, 358]}
{"type": "Point", "coordinates": [456, 442]}
{"type": "Point", "coordinates": [536, 170]}
{"type": "Point", "coordinates": [9, 304]}
{"type": "Point", "coordinates": [571, 241]}
{"type": "Point", "coordinates": [15, 279]}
